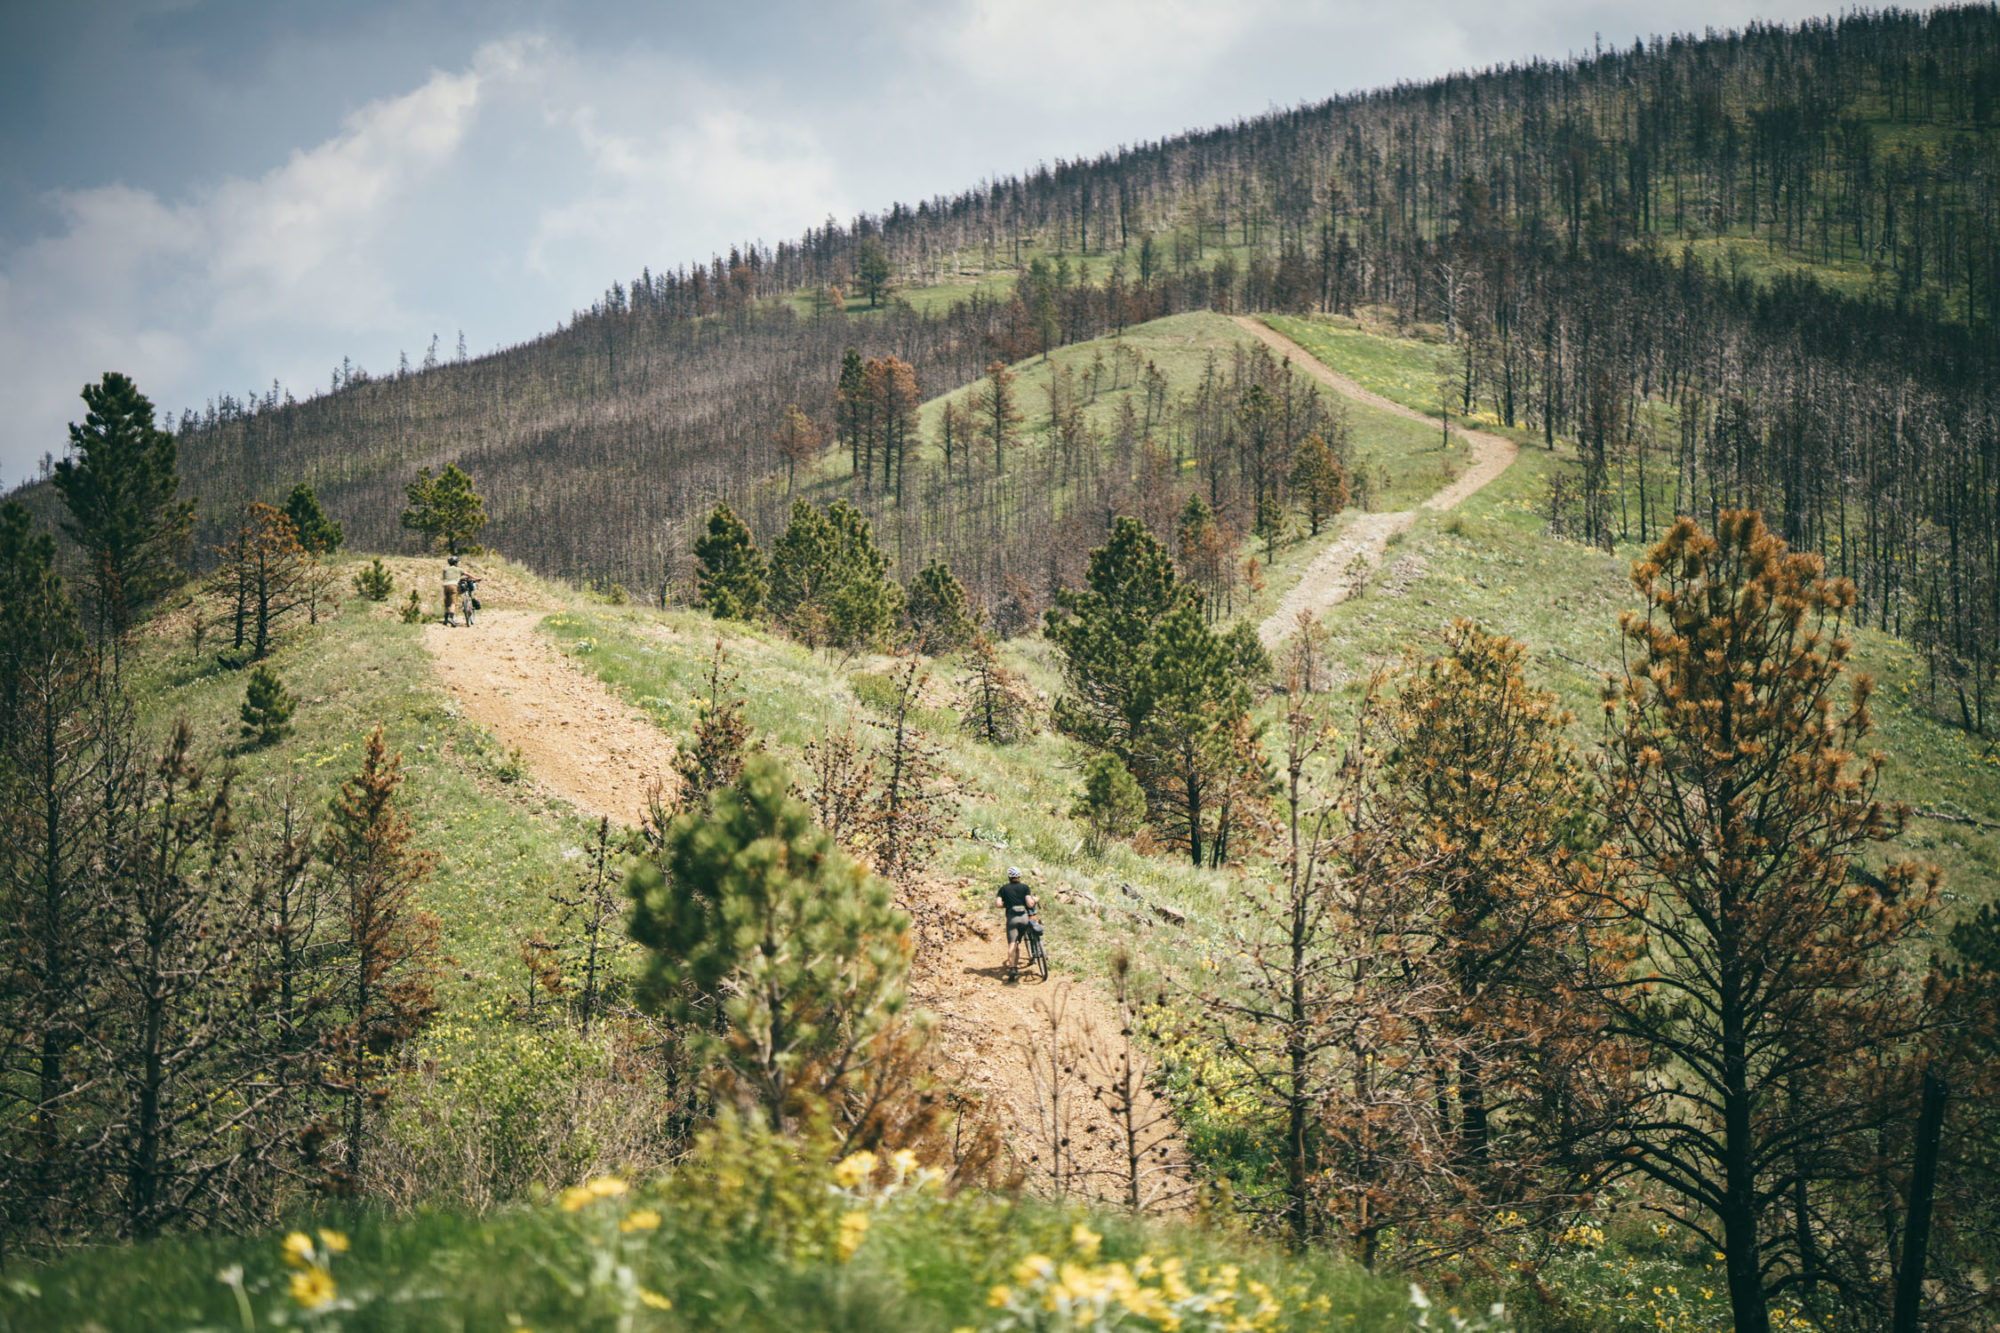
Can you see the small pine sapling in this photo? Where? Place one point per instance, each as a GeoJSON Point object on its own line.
{"type": "Point", "coordinates": [413, 610]}
{"type": "Point", "coordinates": [713, 755]}
{"type": "Point", "coordinates": [267, 708]}
{"type": "Point", "coordinates": [842, 775]}
{"type": "Point", "coordinates": [374, 582]}
{"type": "Point", "coordinates": [993, 700]}
{"type": "Point", "coordinates": [915, 798]}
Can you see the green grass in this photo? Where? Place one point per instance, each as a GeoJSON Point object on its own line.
{"type": "Point", "coordinates": [745, 1237]}
{"type": "Point", "coordinates": [498, 847]}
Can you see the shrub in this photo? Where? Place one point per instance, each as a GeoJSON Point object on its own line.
{"type": "Point", "coordinates": [374, 582]}
{"type": "Point", "coordinates": [413, 610]}
{"type": "Point", "coordinates": [267, 708]}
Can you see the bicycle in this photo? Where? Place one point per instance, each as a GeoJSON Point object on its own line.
{"type": "Point", "coordinates": [1038, 958]}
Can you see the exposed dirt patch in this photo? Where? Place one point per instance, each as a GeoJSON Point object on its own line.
{"type": "Point", "coordinates": [1330, 579]}
{"type": "Point", "coordinates": [998, 1035]}
{"type": "Point", "coordinates": [578, 740]}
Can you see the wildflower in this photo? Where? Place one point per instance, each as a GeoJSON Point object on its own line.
{"type": "Point", "coordinates": [854, 1170]}
{"type": "Point", "coordinates": [573, 1198]}
{"type": "Point", "coordinates": [298, 1249]}
{"type": "Point", "coordinates": [1031, 1267]}
{"type": "Point", "coordinates": [904, 1161]}
{"type": "Point", "coordinates": [997, 1297]}
{"type": "Point", "coordinates": [639, 1219]}
{"type": "Point", "coordinates": [313, 1288]}
{"type": "Point", "coordinates": [334, 1241]}
{"type": "Point", "coordinates": [604, 1187]}
{"type": "Point", "coordinates": [652, 1300]}
{"type": "Point", "coordinates": [1085, 1240]}
{"type": "Point", "coordinates": [853, 1227]}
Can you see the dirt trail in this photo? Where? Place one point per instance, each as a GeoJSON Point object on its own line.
{"type": "Point", "coordinates": [580, 743]}
{"type": "Point", "coordinates": [1330, 577]}
{"type": "Point", "coordinates": [578, 740]}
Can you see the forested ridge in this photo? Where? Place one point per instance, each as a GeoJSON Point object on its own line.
{"type": "Point", "coordinates": [1755, 269]}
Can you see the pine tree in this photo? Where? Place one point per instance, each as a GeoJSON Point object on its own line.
{"type": "Point", "coordinates": [318, 534]}
{"type": "Point", "coordinates": [446, 510]}
{"type": "Point", "coordinates": [912, 802]}
{"type": "Point", "coordinates": [850, 398]}
{"type": "Point", "coordinates": [731, 578]}
{"type": "Point", "coordinates": [861, 603]}
{"type": "Point", "coordinates": [798, 443]}
{"type": "Point", "coordinates": [784, 958]}
{"type": "Point", "coordinates": [713, 753]}
{"type": "Point", "coordinates": [804, 565]}
{"type": "Point", "coordinates": [1199, 772]}
{"type": "Point", "coordinates": [873, 269]}
{"type": "Point", "coordinates": [384, 995]}
{"type": "Point", "coordinates": [374, 582]}
{"type": "Point", "coordinates": [939, 611]}
{"type": "Point", "coordinates": [1111, 804]}
{"type": "Point", "coordinates": [1105, 633]}
{"type": "Point", "coordinates": [264, 575]}
{"type": "Point", "coordinates": [122, 492]}
{"type": "Point", "coordinates": [267, 708]}
{"type": "Point", "coordinates": [1737, 804]}
{"type": "Point", "coordinates": [1319, 483]}
{"type": "Point", "coordinates": [998, 414]}
{"type": "Point", "coordinates": [993, 700]}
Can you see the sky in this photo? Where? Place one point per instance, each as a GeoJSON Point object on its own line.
{"type": "Point", "coordinates": [210, 195]}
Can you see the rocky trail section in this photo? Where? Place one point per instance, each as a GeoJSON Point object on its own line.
{"type": "Point", "coordinates": [1363, 538]}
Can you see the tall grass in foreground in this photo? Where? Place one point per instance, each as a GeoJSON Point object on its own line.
{"type": "Point", "coordinates": [755, 1233]}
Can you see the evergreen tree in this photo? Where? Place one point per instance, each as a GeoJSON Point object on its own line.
{"type": "Point", "coordinates": [446, 510]}
{"type": "Point", "coordinates": [939, 611]}
{"type": "Point", "coordinates": [1105, 636]}
{"type": "Point", "coordinates": [1111, 803]}
{"type": "Point", "coordinates": [1738, 803]}
{"type": "Point", "coordinates": [384, 994]}
{"type": "Point", "coordinates": [998, 414]}
{"type": "Point", "coordinates": [731, 578]}
{"type": "Point", "coordinates": [122, 492]}
{"type": "Point", "coordinates": [993, 701]}
{"type": "Point", "coordinates": [264, 575]}
{"type": "Point", "coordinates": [374, 582]}
{"type": "Point", "coordinates": [873, 269]}
{"type": "Point", "coordinates": [37, 620]}
{"type": "Point", "coordinates": [804, 564]}
{"type": "Point", "coordinates": [267, 708]}
{"type": "Point", "coordinates": [713, 753]}
{"type": "Point", "coordinates": [850, 398]}
{"type": "Point", "coordinates": [318, 534]}
{"type": "Point", "coordinates": [784, 958]}
{"type": "Point", "coordinates": [1319, 482]}
{"type": "Point", "coordinates": [861, 603]}
{"type": "Point", "coordinates": [1190, 703]}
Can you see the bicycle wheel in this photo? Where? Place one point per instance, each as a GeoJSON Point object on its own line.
{"type": "Point", "coordinates": [1039, 959]}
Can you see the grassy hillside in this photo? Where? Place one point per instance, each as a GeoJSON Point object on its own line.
{"type": "Point", "coordinates": [500, 1253]}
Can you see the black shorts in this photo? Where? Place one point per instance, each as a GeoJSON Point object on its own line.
{"type": "Point", "coordinates": [1019, 929]}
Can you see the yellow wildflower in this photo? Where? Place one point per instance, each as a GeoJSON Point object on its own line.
{"type": "Point", "coordinates": [855, 1170]}
{"type": "Point", "coordinates": [1085, 1240]}
{"type": "Point", "coordinates": [334, 1241]}
{"type": "Point", "coordinates": [652, 1300]}
{"type": "Point", "coordinates": [1031, 1267]}
{"type": "Point", "coordinates": [904, 1161]}
{"type": "Point", "coordinates": [298, 1249]}
{"type": "Point", "coordinates": [573, 1198]}
{"type": "Point", "coordinates": [853, 1227]}
{"type": "Point", "coordinates": [604, 1187]}
{"type": "Point", "coordinates": [999, 1296]}
{"type": "Point", "coordinates": [639, 1219]}
{"type": "Point", "coordinates": [313, 1288]}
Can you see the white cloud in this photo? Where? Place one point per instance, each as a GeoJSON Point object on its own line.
{"type": "Point", "coordinates": [170, 290]}
{"type": "Point", "coordinates": [726, 167]}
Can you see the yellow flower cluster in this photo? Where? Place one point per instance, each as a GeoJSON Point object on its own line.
{"type": "Point", "coordinates": [577, 1197]}
{"type": "Point", "coordinates": [853, 1228]}
{"type": "Point", "coordinates": [312, 1285]}
{"type": "Point", "coordinates": [1148, 1293]}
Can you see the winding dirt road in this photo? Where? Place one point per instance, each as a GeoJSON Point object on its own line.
{"type": "Point", "coordinates": [1364, 537]}
{"type": "Point", "coordinates": [584, 745]}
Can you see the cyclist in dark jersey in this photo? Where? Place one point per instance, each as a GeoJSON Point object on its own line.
{"type": "Point", "coordinates": [1019, 903]}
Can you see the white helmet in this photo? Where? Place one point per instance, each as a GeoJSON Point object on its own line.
{"type": "Point", "coordinates": [1013, 872]}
